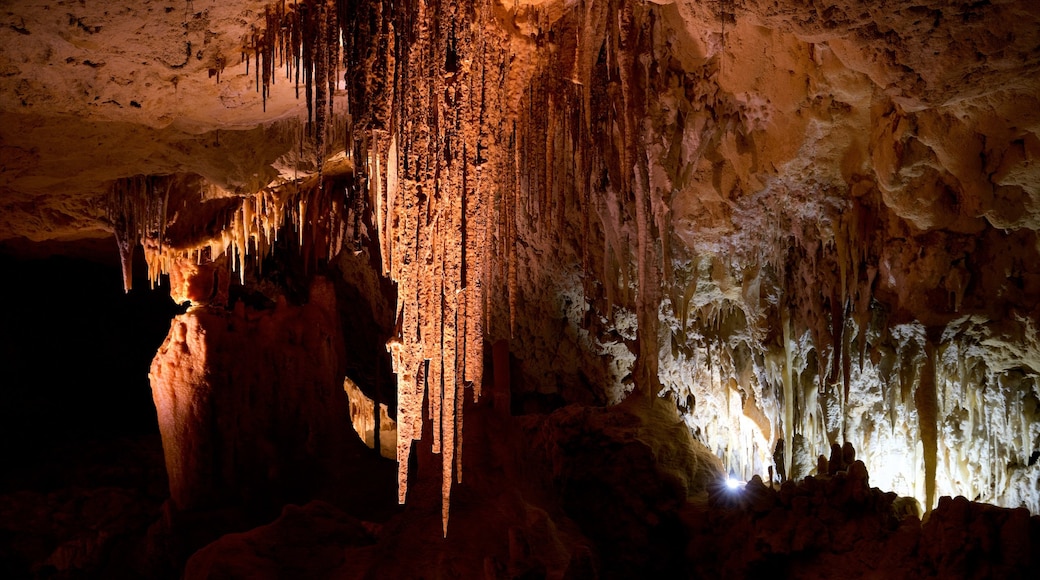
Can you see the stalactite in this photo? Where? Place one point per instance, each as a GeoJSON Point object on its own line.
{"type": "Point", "coordinates": [303, 38]}
{"type": "Point", "coordinates": [126, 254]}
{"type": "Point", "coordinates": [137, 208]}
{"type": "Point", "coordinates": [788, 387]}
{"type": "Point", "coordinates": [430, 209]}
{"type": "Point", "coordinates": [322, 15]}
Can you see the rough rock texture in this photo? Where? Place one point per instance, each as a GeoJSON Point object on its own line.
{"type": "Point", "coordinates": [374, 428]}
{"type": "Point", "coordinates": [310, 541]}
{"type": "Point", "coordinates": [246, 407]}
{"type": "Point", "coordinates": [580, 493]}
{"type": "Point", "coordinates": [629, 502]}
{"type": "Point", "coordinates": [622, 474]}
{"type": "Point", "coordinates": [839, 527]}
{"type": "Point", "coordinates": [828, 262]}
{"type": "Point", "coordinates": [85, 514]}
{"type": "Point", "coordinates": [799, 223]}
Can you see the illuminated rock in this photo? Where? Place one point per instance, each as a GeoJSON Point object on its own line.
{"type": "Point", "coordinates": [247, 405]}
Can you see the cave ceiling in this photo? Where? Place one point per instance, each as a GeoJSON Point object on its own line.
{"type": "Point", "coordinates": [801, 221]}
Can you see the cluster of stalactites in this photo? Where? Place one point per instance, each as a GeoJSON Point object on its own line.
{"type": "Point", "coordinates": [572, 173]}
{"type": "Point", "coordinates": [580, 172]}
{"type": "Point", "coordinates": [931, 416]}
{"type": "Point", "coordinates": [420, 159]}
{"type": "Point", "coordinates": [303, 39]}
{"type": "Point", "coordinates": [821, 304]}
{"type": "Point", "coordinates": [471, 163]}
{"type": "Point", "coordinates": [137, 213]}
{"type": "Point", "coordinates": [321, 218]}
{"type": "Point", "coordinates": [464, 156]}
{"type": "Point", "coordinates": [431, 199]}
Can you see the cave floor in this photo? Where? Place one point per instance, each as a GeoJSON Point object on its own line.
{"type": "Point", "coordinates": [81, 504]}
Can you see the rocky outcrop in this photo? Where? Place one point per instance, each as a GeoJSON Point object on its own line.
{"type": "Point", "coordinates": [837, 526]}
{"type": "Point", "coordinates": [250, 404]}
{"type": "Point", "coordinates": [621, 474]}
{"type": "Point", "coordinates": [84, 514]}
{"type": "Point", "coordinates": [643, 506]}
{"type": "Point", "coordinates": [310, 541]}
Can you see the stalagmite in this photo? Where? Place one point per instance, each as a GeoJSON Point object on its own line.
{"type": "Point", "coordinates": [836, 462]}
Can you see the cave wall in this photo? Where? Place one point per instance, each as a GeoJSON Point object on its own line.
{"type": "Point", "coordinates": [755, 221]}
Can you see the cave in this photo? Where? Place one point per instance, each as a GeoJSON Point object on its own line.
{"type": "Point", "coordinates": [520, 288]}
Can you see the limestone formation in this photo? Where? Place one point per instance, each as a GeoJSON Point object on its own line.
{"type": "Point", "coordinates": [809, 229]}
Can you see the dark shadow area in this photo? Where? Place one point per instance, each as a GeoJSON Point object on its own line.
{"type": "Point", "coordinates": [83, 474]}
{"type": "Point", "coordinates": [75, 350]}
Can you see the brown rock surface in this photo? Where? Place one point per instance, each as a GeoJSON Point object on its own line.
{"type": "Point", "coordinates": [246, 404]}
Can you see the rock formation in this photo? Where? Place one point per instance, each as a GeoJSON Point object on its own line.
{"type": "Point", "coordinates": [794, 238]}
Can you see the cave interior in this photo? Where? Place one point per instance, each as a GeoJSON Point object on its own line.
{"type": "Point", "coordinates": [520, 288]}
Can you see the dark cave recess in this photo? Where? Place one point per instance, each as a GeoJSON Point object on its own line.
{"type": "Point", "coordinates": [75, 350]}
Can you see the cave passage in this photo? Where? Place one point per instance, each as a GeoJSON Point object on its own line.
{"type": "Point", "coordinates": [75, 350]}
